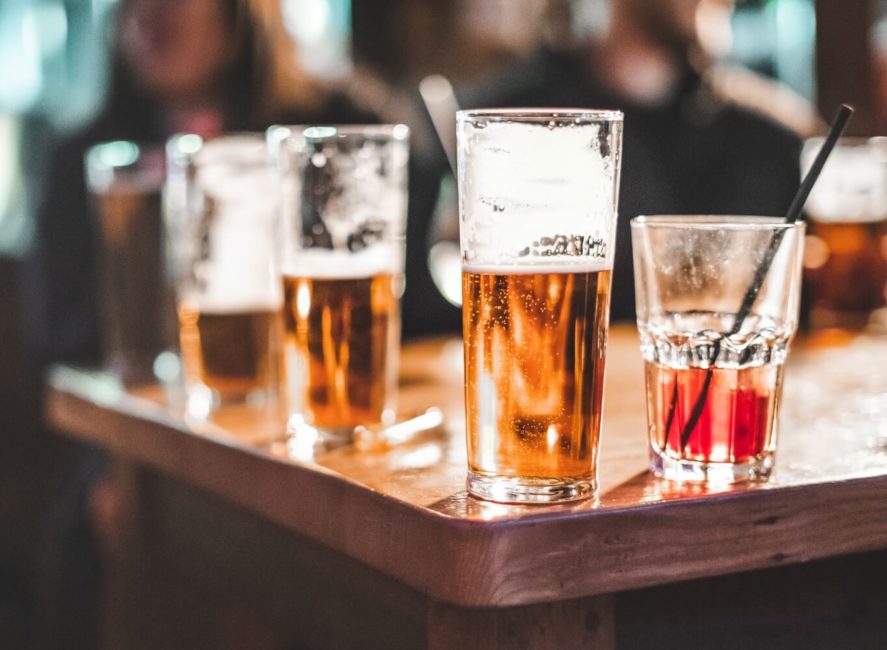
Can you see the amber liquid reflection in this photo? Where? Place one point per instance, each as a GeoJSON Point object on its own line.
{"type": "Point", "coordinates": [737, 420]}
{"type": "Point", "coordinates": [234, 354]}
{"type": "Point", "coordinates": [138, 305]}
{"type": "Point", "coordinates": [534, 365]}
{"type": "Point", "coordinates": [342, 345]}
{"type": "Point", "coordinates": [846, 272]}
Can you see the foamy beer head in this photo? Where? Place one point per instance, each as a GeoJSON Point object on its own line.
{"type": "Point", "coordinates": [538, 187]}
{"type": "Point", "coordinates": [537, 203]}
{"type": "Point", "coordinates": [343, 191]}
{"type": "Point", "coordinates": [852, 187]}
{"type": "Point", "coordinates": [221, 201]}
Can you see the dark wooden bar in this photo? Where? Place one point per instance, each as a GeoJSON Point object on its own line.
{"type": "Point", "coordinates": [383, 548]}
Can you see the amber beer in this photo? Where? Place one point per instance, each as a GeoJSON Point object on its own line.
{"type": "Point", "coordinates": [236, 354]}
{"type": "Point", "coordinates": [342, 338]}
{"type": "Point", "coordinates": [534, 366]}
{"type": "Point", "coordinates": [137, 301]}
{"type": "Point", "coordinates": [846, 272]}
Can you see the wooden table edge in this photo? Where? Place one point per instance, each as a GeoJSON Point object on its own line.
{"type": "Point", "coordinates": [592, 552]}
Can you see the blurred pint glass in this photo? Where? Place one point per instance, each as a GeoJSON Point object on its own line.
{"type": "Point", "coordinates": [221, 211]}
{"type": "Point", "coordinates": [343, 194]}
{"type": "Point", "coordinates": [845, 263]}
{"type": "Point", "coordinates": [537, 198]}
{"type": "Point", "coordinates": [135, 294]}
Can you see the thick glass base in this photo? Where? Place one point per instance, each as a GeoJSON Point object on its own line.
{"type": "Point", "coordinates": [673, 469]}
{"type": "Point", "coordinates": [530, 490]}
{"type": "Point", "coordinates": [305, 440]}
{"type": "Point", "coordinates": [202, 401]}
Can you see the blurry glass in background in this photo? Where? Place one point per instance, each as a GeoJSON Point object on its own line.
{"type": "Point", "coordinates": [343, 209]}
{"type": "Point", "coordinates": [846, 249]}
{"type": "Point", "coordinates": [138, 332]}
{"type": "Point", "coordinates": [221, 215]}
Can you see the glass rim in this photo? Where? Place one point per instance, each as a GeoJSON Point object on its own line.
{"type": "Point", "coordinates": [120, 154]}
{"type": "Point", "coordinates": [533, 115]}
{"type": "Point", "coordinates": [186, 149]}
{"type": "Point", "coordinates": [715, 222]}
{"type": "Point", "coordinates": [395, 131]}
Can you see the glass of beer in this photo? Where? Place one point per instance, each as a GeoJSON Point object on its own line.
{"type": "Point", "coordinates": [713, 357]}
{"type": "Point", "coordinates": [222, 218]}
{"type": "Point", "coordinates": [537, 199]}
{"type": "Point", "coordinates": [845, 264]}
{"type": "Point", "coordinates": [343, 210]}
{"type": "Point", "coordinates": [136, 298]}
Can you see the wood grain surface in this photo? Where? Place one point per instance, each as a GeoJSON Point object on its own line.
{"type": "Point", "coordinates": [403, 510]}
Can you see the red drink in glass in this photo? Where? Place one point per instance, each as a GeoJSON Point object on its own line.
{"type": "Point", "coordinates": [737, 419]}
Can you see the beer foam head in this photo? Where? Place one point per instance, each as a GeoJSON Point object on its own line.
{"type": "Point", "coordinates": [351, 180]}
{"type": "Point", "coordinates": [233, 171]}
{"type": "Point", "coordinates": [232, 225]}
{"type": "Point", "coordinates": [853, 184]}
{"type": "Point", "coordinates": [536, 184]}
{"type": "Point", "coordinates": [540, 267]}
{"type": "Point", "coordinates": [341, 265]}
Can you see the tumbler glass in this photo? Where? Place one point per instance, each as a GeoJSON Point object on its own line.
{"type": "Point", "coordinates": [717, 306]}
{"type": "Point", "coordinates": [538, 195]}
{"type": "Point", "coordinates": [136, 298]}
{"type": "Point", "coordinates": [344, 196]}
{"type": "Point", "coordinates": [222, 216]}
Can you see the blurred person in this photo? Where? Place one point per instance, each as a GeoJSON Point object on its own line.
{"type": "Point", "coordinates": [699, 137]}
{"type": "Point", "coordinates": [198, 66]}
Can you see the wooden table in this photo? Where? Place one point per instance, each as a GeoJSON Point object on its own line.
{"type": "Point", "coordinates": [383, 547]}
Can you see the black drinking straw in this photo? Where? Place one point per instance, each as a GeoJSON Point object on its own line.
{"type": "Point", "coordinates": [751, 294]}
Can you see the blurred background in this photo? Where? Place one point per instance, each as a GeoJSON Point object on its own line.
{"type": "Point", "coordinates": [54, 62]}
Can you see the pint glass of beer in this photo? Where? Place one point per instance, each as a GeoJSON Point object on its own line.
{"type": "Point", "coordinates": [845, 263]}
{"type": "Point", "coordinates": [343, 209]}
{"type": "Point", "coordinates": [537, 199]}
{"type": "Point", "coordinates": [135, 294]}
{"type": "Point", "coordinates": [222, 216]}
